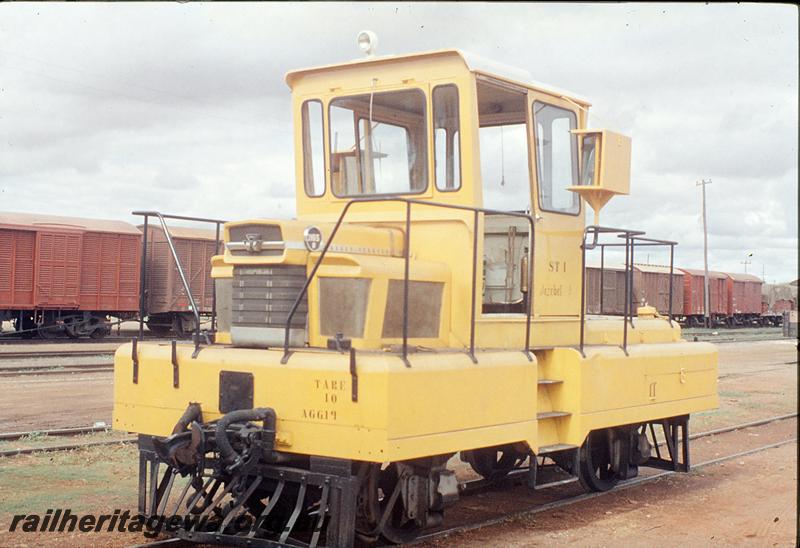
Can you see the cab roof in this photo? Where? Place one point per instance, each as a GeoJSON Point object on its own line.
{"type": "Point", "coordinates": [473, 62]}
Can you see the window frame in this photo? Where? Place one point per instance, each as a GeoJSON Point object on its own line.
{"type": "Point", "coordinates": [424, 133]}
{"type": "Point", "coordinates": [576, 158]}
{"type": "Point", "coordinates": [433, 139]}
{"type": "Point", "coordinates": [303, 111]}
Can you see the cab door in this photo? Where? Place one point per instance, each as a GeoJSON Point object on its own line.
{"type": "Point", "coordinates": [558, 212]}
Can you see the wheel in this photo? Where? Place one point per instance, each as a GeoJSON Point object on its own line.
{"type": "Point", "coordinates": [601, 465]}
{"type": "Point", "coordinates": [378, 497]}
{"type": "Point", "coordinates": [72, 327]}
{"type": "Point", "coordinates": [99, 333]}
{"type": "Point", "coordinates": [158, 329]}
{"type": "Point", "coordinates": [98, 328]}
{"type": "Point", "coordinates": [493, 463]}
{"type": "Point", "coordinates": [177, 326]}
{"type": "Point", "coordinates": [49, 331]}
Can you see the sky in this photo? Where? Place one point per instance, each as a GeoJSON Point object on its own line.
{"type": "Point", "coordinates": [182, 108]}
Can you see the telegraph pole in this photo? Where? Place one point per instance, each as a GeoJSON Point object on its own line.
{"type": "Point", "coordinates": [745, 262]}
{"type": "Point", "coordinates": [706, 296]}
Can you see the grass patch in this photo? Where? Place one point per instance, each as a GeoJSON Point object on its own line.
{"type": "Point", "coordinates": [732, 394]}
{"type": "Point", "coordinates": [93, 479]}
{"type": "Point", "coordinates": [34, 436]}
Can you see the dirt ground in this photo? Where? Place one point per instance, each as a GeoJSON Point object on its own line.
{"type": "Point", "coordinates": [45, 402]}
{"type": "Point", "coordinates": [748, 501]}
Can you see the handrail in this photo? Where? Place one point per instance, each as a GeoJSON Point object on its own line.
{"type": "Point", "coordinates": [406, 257]}
{"type": "Point", "coordinates": [142, 280]}
{"type": "Point", "coordinates": [631, 238]}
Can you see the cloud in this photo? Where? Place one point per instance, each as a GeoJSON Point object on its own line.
{"type": "Point", "coordinates": [106, 108]}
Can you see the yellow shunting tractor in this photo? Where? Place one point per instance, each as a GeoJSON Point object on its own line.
{"type": "Point", "coordinates": [427, 302]}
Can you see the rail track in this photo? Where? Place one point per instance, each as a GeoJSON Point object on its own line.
{"type": "Point", "coordinates": [26, 363]}
{"type": "Point", "coordinates": [72, 431]}
{"type": "Point", "coordinates": [539, 508]}
{"type": "Point", "coordinates": [474, 486]}
{"type": "Point", "coordinates": [469, 488]}
{"type": "Point", "coordinates": [47, 370]}
{"type": "Point", "coordinates": [58, 432]}
{"type": "Point", "coordinates": [532, 509]}
{"type": "Point", "coordinates": [55, 353]}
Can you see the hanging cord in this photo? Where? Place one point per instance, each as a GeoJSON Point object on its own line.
{"type": "Point", "coordinates": [502, 159]}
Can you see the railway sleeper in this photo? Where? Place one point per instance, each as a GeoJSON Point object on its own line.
{"type": "Point", "coordinates": [226, 484]}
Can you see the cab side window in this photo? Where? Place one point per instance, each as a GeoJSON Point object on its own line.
{"type": "Point", "coordinates": [556, 158]}
{"type": "Point", "coordinates": [313, 153]}
{"type": "Point", "coordinates": [446, 137]}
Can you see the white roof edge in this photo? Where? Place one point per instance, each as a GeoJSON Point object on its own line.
{"type": "Point", "coordinates": [474, 62]}
{"type": "Point", "coordinates": [478, 63]}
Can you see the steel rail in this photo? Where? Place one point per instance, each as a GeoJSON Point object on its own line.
{"type": "Point", "coordinates": [55, 354]}
{"type": "Point", "coordinates": [537, 509]}
{"type": "Point", "coordinates": [479, 484]}
{"type": "Point", "coordinates": [67, 447]}
{"type": "Point", "coordinates": [72, 431]}
{"type": "Point", "coordinates": [26, 371]}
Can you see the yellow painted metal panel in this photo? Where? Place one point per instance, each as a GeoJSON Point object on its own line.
{"type": "Point", "coordinates": [444, 400]}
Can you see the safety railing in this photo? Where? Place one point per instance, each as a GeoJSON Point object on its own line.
{"type": "Point", "coordinates": [143, 272]}
{"type": "Point", "coordinates": [632, 239]}
{"type": "Point", "coordinates": [406, 254]}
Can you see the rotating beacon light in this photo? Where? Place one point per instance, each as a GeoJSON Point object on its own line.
{"type": "Point", "coordinates": [368, 42]}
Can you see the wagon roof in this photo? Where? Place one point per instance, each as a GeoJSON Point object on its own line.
{"type": "Point", "coordinates": [744, 277]}
{"type": "Point", "coordinates": [711, 273]}
{"type": "Point", "coordinates": [187, 233]}
{"type": "Point", "coordinates": [35, 221]}
{"type": "Point", "coordinates": [656, 269]}
{"type": "Point", "coordinates": [780, 291]}
{"type": "Point", "coordinates": [607, 266]}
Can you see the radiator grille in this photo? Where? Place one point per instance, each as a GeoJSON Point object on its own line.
{"type": "Point", "coordinates": [261, 299]}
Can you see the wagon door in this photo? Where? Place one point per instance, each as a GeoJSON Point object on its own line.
{"type": "Point", "coordinates": [58, 270]}
{"type": "Point", "coordinates": [16, 268]}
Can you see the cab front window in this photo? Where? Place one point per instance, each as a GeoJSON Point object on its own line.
{"type": "Point", "coordinates": [378, 143]}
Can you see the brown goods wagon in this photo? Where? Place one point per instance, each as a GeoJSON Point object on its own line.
{"type": "Point", "coordinates": [694, 295]}
{"type": "Point", "coordinates": [744, 295]}
{"type": "Point", "coordinates": [777, 298]}
{"type": "Point", "coordinates": [613, 294]}
{"type": "Point", "coordinates": [167, 305]}
{"type": "Point", "coordinates": [651, 287]}
{"type": "Point", "coordinates": [65, 272]}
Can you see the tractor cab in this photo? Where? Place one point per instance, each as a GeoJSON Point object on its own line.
{"type": "Point", "coordinates": [453, 186]}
